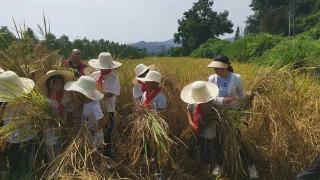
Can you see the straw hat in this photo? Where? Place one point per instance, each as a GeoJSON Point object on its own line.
{"type": "Point", "coordinates": [104, 61]}
{"type": "Point", "coordinates": [152, 76]}
{"type": "Point", "coordinates": [66, 74]}
{"type": "Point", "coordinates": [140, 69]}
{"type": "Point", "coordinates": [89, 70]}
{"type": "Point", "coordinates": [85, 85]}
{"type": "Point", "coordinates": [11, 85]}
{"type": "Point", "coordinates": [199, 92]}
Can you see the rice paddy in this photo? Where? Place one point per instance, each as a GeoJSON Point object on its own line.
{"type": "Point", "coordinates": [279, 121]}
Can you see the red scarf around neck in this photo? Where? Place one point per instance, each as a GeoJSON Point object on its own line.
{"type": "Point", "coordinates": [58, 98]}
{"type": "Point", "coordinates": [196, 115]}
{"type": "Point", "coordinates": [150, 94]}
{"type": "Point", "coordinates": [144, 86]}
{"type": "Point", "coordinates": [103, 72]}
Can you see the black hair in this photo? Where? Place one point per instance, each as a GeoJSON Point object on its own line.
{"type": "Point", "coordinates": [144, 74]}
{"type": "Point", "coordinates": [51, 81]}
{"type": "Point", "coordinates": [224, 59]}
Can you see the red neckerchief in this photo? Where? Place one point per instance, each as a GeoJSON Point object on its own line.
{"type": "Point", "coordinates": [80, 68]}
{"type": "Point", "coordinates": [144, 86]}
{"type": "Point", "coordinates": [103, 72]}
{"type": "Point", "coordinates": [150, 94]}
{"type": "Point", "coordinates": [196, 115]}
{"type": "Point", "coordinates": [58, 98]}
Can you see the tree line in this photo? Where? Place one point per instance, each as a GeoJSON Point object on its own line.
{"type": "Point", "coordinates": [90, 48]}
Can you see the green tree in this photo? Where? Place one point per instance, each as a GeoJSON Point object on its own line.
{"type": "Point", "coordinates": [199, 24]}
{"type": "Point", "coordinates": [6, 38]}
{"type": "Point", "coordinates": [29, 34]}
{"type": "Point", "coordinates": [272, 16]}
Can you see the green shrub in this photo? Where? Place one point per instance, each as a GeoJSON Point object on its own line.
{"type": "Point", "coordinates": [252, 46]}
{"type": "Point", "coordinates": [211, 48]}
{"type": "Point", "coordinates": [291, 50]}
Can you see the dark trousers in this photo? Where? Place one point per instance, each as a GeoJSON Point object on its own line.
{"type": "Point", "coordinates": [211, 150]}
{"type": "Point", "coordinates": [20, 158]}
{"type": "Point", "coordinates": [312, 172]}
{"type": "Point", "coordinates": [108, 134]}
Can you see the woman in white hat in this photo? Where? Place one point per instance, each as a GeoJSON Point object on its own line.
{"type": "Point", "coordinates": [89, 97]}
{"type": "Point", "coordinates": [51, 85]}
{"type": "Point", "coordinates": [203, 118]}
{"type": "Point", "coordinates": [139, 87]}
{"type": "Point", "coordinates": [20, 144]}
{"type": "Point", "coordinates": [109, 83]}
{"type": "Point", "coordinates": [230, 93]}
{"type": "Point", "coordinates": [153, 98]}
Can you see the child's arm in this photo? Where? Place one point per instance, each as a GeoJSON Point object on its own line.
{"type": "Point", "coordinates": [190, 120]}
{"type": "Point", "coordinates": [102, 123]}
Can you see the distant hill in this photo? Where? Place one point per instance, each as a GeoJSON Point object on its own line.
{"type": "Point", "coordinates": [155, 47]}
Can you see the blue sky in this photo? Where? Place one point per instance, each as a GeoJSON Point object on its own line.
{"type": "Point", "coordinates": [123, 21]}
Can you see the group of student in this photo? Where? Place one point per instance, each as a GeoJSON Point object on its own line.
{"type": "Point", "coordinates": [96, 92]}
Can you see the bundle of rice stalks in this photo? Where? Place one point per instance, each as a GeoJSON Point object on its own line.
{"type": "Point", "coordinates": [284, 123]}
{"type": "Point", "coordinates": [28, 110]}
{"type": "Point", "coordinates": [80, 160]}
{"type": "Point", "coordinates": [149, 139]}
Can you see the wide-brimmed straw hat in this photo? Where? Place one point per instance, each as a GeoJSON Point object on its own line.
{"type": "Point", "coordinates": [12, 86]}
{"type": "Point", "coordinates": [140, 69]}
{"type": "Point", "coordinates": [152, 76]}
{"type": "Point", "coordinates": [89, 70]}
{"type": "Point", "coordinates": [85, 85]}
{"type": "Point", "coordinates": [41, 83]}
{"type": "Point", "coordinates": [199, 92]}
{"type": "Point", "coordinates": [104, 61]}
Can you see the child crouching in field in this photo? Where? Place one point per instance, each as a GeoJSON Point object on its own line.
{"type": "Point", "coordinates": [92, 115]}
{"type": "Point", "coordinates": [52, 86]}
{"type": "Point", "coordinates": [20, 147]}
{"type": "Point", "coordinates": [203, 118]}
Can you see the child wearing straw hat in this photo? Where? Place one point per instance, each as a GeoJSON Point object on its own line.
{"type": "Point", "coordinates": [51, 85]}
{"type": "Point", "coordinates": [92, 115]}
{"type": "Point", "coordinates": [108, 82]}
{"type": "Point", "coordinates": [203, 117]}
{"type": "Point", "coordinates": [153, 98]}
{"type": "Point", "coordinates": [230, 94]}
{"type": "Point", "coordinates": [20, 144]}
{"type": "Point", "coordinates": [139, 87]}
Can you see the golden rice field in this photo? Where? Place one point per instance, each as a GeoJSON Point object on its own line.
{"type": "Point", "coordinates": [282, 124]}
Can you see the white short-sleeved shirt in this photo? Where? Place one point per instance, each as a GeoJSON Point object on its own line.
{"type": "Point", "coordinates": [51, 134]}
{"type": "Point", "coordinates": [136, 92]}
{"type": "Point", "coordinates": [92, 113]}
{"type": "Point", "coordinates": [158, 102]}
{"type": "Point", "coordinates": [110, 84]}
{"type": "Point", "coordinates": [17, 112]}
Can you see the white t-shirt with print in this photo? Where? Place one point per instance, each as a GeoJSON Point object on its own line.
{"type": "Point", "coordinates": [51, 134]}
{"type": "Point", "coordinates": [92, 113]}
{"type": "Point", "coordinates": [110, 84]}
{"type": "Point", "coordinates": [158, 102]}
